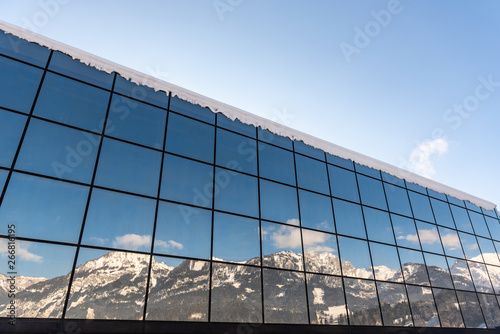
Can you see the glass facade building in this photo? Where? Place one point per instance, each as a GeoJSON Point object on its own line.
{"type": "Point", "coordinates": [119, 203]}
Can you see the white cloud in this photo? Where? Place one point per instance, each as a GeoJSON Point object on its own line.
{"type": "Point", "coordinates": [287, 237]}
{"type": "Point", "coordinates": [169, 244]}
{"type": "Point", "coordinates": [21, 251]}
{"type": "Point", "coordinates": [315, 241]}
{"type": "Point", "coordinates": [132, 241]}
{"type": "Point", "coordinates": [100, 241]}
{"type": "Point", "coordinates": [420, 157]}
{"type": "Point", "coordinates": [426, 237]}
{"type": "Point", "coordinates": [451, 241]}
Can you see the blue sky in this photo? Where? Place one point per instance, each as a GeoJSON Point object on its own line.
{"type": "Point", "coordinates": [383, 78]}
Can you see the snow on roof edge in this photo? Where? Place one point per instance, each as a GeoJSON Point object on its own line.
{"type": "Point", "coordinates": [236, 113]}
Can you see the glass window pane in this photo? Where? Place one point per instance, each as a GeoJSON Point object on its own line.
{"type": "Point", "coordinates": [372, 192]}
{"type": "Point", "coordinates": [405, 231]}
{"type": "Point", "coordinates": [362, 303]}
{"type": "Point", "coordinates": [236, 152]}
{"type": "Point", "coordinates": [473, 316]}
{"type": "Point", "coordinates": [119, 221]}
{"type": "Point", "coordinates": [326, 300]}
{"type": "Point", "coordinates": [460, 274]}
{"type": "Point", "coordinates": [495, 277]}
{"type": "Point", "coordinates": [3, 178]}
{"type": "Point", "coordinates": [461, 219]}
{"type": "Point", "coordinates": [284, 297]}
{"type": "Point", "coordinates": [451, 242]}
{"type": "Point", "coordinates": [472, 206]}
{"type": "Point", "coordinates": [378, 225]}
{"type": "Point", "coordinates": [349, 219]}
{"type": "Point", "coordinates": [416, 187]}
{"type": "Point", "coordinates": [191, 110]}
{"type": "Point", "coordinates": [89, 299]}
{"type": "Point", "coordinates": [470, 246]}
{"type": "Point", "coordinates": [311, 174]}
{"type": "Point", "coordinates": [187, 181]}
{"type": "Point", "coordinates": [414, 269]}
{"type": "Point", "coordinates": [447, 306]}
{"type": "Point", "coordinates": [338, 161]}
{"type": "Point", "coordinates": [320, 252]}
{"type": "Point", "coordinates": [279, 202]}
{"type": "Point", "coordinates": [343, 184]}
{"type": "Point", "coordinates": [136, 122]}
{"type": "Point", "coordinates": [11, 130]}
{"type": "Point", "coordinates": [190, 138]}
{"type": "Point", "coordinates": [480, 277]}
{"type": "Point", "coordinates": [44, 209]}
{"type": "Point", "coordinates": [386, 263]}
{"type": "Point", "coordinates": [488, 250]}
{"type": "Point", "coordinates": [421, 207]}
{"type": "Point", "coordinates": [236, 239]}
{"type": "Point", "coordinates": [42, 281]}
{"type": "Point", "coordinates": [393, 179]}
{"type": "Point", "coordinates": [397, 198]}
{"type": "Point", "coordinates": [18, 85]}
{"type": "Point", "coordinates": [178, 290]}
{"type": "Point", "coordinates": [429, 238]}
{"type": "Point", "coordinates": [442, 213]}
{"type": "Point", "coordinates": [140, 92]}
{"type": "Point", "coordinates": [276, 164]}
{"type": "Point", "coordinates": [455, 201]}
{"type": "Point", "coordinates": [394, 304]}
{"type": "Point", "coordinates": [422, 306]}
{"type": "Point", "coordinates": [316, 211]}
{"type": "Point", "coordinates": [236, 126]}
{"type": "Point", "coordinates": [236, 294]}
{"type": "Point", "coordinates": [235, 192]}
{"type": "Point", "coordinates": [128, 167]}
{"type": "Point", "coordinates": [494, 227]}
{"type": "Point", "coordinates": [58, 151]}
{"type": "Point", "coordinates": [183, 230]}
{"type": "Point", "coordinates": [71, 102]}
{"type": "Point", "coordinates": [271, 138]}
{"type": "Point", "coordinates": [479, 224]}
{"type": "Point", "coordinates": [355, 258]}
{"type": "Point", "coordinates": [439, 273]}
{"type": "Point", "coordinates": [367, 170]}
{"type": "Point", "coordinates": [308, 150]}
{"type": "Point", "coordinates": [437, 195]}
{"type": "Point", "coordinates": [18, 48]}
{"type": "Point", "coordinates": [491, 311]}
{"type": "Point", "coordinates": [281, 246]}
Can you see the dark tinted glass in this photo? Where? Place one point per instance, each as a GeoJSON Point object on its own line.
{"type": "Point", "coordinates": [349, 218]}
{"type": "Point", "coordinates": [451, 242]}
{"type": "Point", "coordinates": [413, 265]}
{"type": "Point", "coordinates": [326, 300]}
{"type": "Point", "coordinates": [11, 129]}
{"type": "Point", "coordinates": [386, 263]}
{"type": "Point", "coordinates": [191, 110]}
{"type": "Point", "coordinates": [23, 50]}
{"type": "Point", "coordinates": [429, 237]}
{"type": "Point", "coordinates": [355, 258]}
{"type": "Point", "coordinates": [236, 126]}
{"type": "Point", "coordinates": [405, 231]}
{"type": "Point", "coordinates": [276, 164]}
{"type": "Point", "coordinates": [423, 306]}
{"type": "Point", "coordinates": [190, 138]}
{"type": "Point", "coordinates": [236, 192]}
{"type": "Point", "coordinates": [316, 211]}
{"type": "Point", "coordinates": [332, 159]}
{"type": "Point", "coordinates": [448, 309]}
{"type": "Point", "coordinates": [279, 202]}
{"type": "Point", "coordinates": [439, 273]}
{"type": "Point", "coordinates": [281, 246]}
{"type": "Point", "coordinates": [18, 85]}
{"type": "Point", "coordinates": [461, 219]}
{"type": "Point", "coordinates": [442, 213]}
{"type": "Point", "coordinates": [271, 138]}
{"type": "Point", "coordinates": [378, 225]}
{"type": "Point", "coordinates": [311, 174]}
{"type": "Point", "coordinates": [140, 92]}
{"type": "Point", "coordinates": [320, 252]}
{"type": "Point", "coordinates": [308, 150]}
{"type": "Point", "coordinates": [343, 184]}
{"type": "Point", "coordinates": [236, 152]}
{"type": "Point", "coordinates": [394, 304]}
{"type": "Point", "coordinates": [362, 302]}
{"type": "Point", "coordinates": [397, 198]}
{"type": "Point", "coordinates": [460, 273]}
{"type": "Point", "coordinates": [372, 192]}
{"type": "Point", "coordinates": [471, 311]}
{"type": "Point", "coordinates": [367, 171]}
{"type": "Point", "coordinates": [421, 207]}
{"type": "Point", "coordinates": [479, 224]}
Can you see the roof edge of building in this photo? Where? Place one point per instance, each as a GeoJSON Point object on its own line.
{"type": "Point", "coordinates": [236, 113]}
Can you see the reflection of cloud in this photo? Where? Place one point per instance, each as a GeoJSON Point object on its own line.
{"type": "Point", "coordinates": [100, 241]}
{"type": "Point", "coordinates": [287, 237]}
{"type": "Point", "coordinates": [169, 244]}
{"type": "Point", "coordinates": [426, 237]}
{"type": "Point", "coordinates": [132, 241]}
{"type": "Point", "coordinates": [21, 251]}
{"type": "Point", "coordinates": [472, 247]}
{"type": "Point", "coordinates": [420, 157]}
{"type": "Point", "coordinates": [314, 241]}
{"type": "Point", "coordinates": [451, 241]}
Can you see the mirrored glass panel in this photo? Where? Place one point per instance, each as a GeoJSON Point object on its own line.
{"type": "Point", "coordinates": [414, 269]}
{"type": "Point", "coordinates": [447, 306]}
{"type": "Point", "coordinates": [392, 179]}
{"type": "Point", "coordinates": [58, 151]}
{"type": "Point", "coordinates": [236, 192]}
{"type": "Point", "coordinates": [355, 258]}
{"type": "Point", "coordinates": [422, 306]}
{"type": "Point", "coordinates": [378, 225]}
{"type": "Point", "coordinates": [349, 218]}
{"type": "Point", "coordinates": [284, 297]}
{"type": "Point", "coordinates": [490, 255]}
{"type": "Point", "coordinates": [178, 290]}
{"type": "Point", "coordinates": [276, 164]}
{"type": "Point", "coordinates": [41, 280]}
{"type": "Point", "coordinates": [461, 219]}
{"type": "Point", "coordinates": [316, 211]}
{"type": "Point", "coordinates": [421, 207]}
{"type": "Point", "coordinates": [343, 183]}
{"type": "Point", "coordinates": [494, 227]}
{"type": "Point", "coordinates": [191, 110]}
{"type": "Point", "coordinates": [183, 230]}
{"type": "Point", "coordinates": [279, 202]}
{"type": "Point", "coordinates": [236, 152]}
{"type": "Point", "coordinates": [439, 273]}
{"type": "Point", "coordinates": [429, 237]}
{"type": "Point", "coordinates": [480, 277]}
{"type": "Point", "coordinates": [18, 84]}
{"type": "Point", "coordinates": [44, 209]}
{"type": "Point", "coordinates": [320, 252]}
{"type": "Point", "coordinates": [455, 201]}
{"type": "Point", "coordinates": [367, 171]}
{"type": "Point", "coordinates": [472, 206]}
{"type": "Point", "coordinates": [18, 48]}
{"type": "Point", "coordinates": [442, 213]}
{"type": "Point", "coordinates": [362, 303]}
{"type": "Point", "coordinates": [128, 167]}
{"type": "Point", "coordinates": [140, 92]}
{"type": "Point", "coordinates": [108, 285]}
{"type": "Point", "coordinates": [405, 231]}
{"type": "Point", "coordinates": [451, 242]}
{"type": "Point", "coordinates": [491, 311]}
{"type": "Point", "coordinates": [326, 300]}
{"type": "Point", "coordinates": [11, 129]}
{"type": "Point", "coordinates": [460, 274]}
{"type": "Point", "coordinates": [385, 263]}
{"type": "Point", "coordinates": [236, 126]}
{"type": "Point", "coordinates": [308, 150]}
{"type": "Point", "coordinates": [470, 247]}
{"type": "Point", "coordinates": [397, 198]}
{"type": "Point", "coordinates": [311, 174]}
{"type": "Point", "coordinates": [236, 294]}
{"type": "Point", "coordinates": [416, 187]}
{"type": "Point", "coordinates": [236, 239]}
{"type": "Point", "coordinates": [394, 305]}
{"type": "Point", "coordinates": [494, 272]}
{"type": "Point", "coordinates": [137, 122]}
{"type": "Point", "coordinates": [479, 224]}
{"type": "Point", "coordinates": [437, 195]}
{"type": "Point", "coordinates": [187, 181]}
{"type": "Point", "coordinates": [281, 246]}
{"type": "Point", "coordinates": [271, 138]}
{"type": "Point", "coordinates": [471, 311]}
{"type": "Point", "coordinates": [190, 138]}
{"type": "Point", "coordinates": [3, 178]}
{"type": "Point", "coordinates": [372, 192]}
{"type": "Point", "coordinates": [338, 161]}
{"type": "Point", "coordinates": [71, 102]}
{"type": "Point", "coordinates": [120, 221]}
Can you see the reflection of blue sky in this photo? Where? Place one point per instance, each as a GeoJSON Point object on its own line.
{"type": "Point", "coordinates": [397, 198]}
{"type": "Point", "coordinates": [461, 219]}
{"type": "Point", "coordinates": [378, 225]}
{"type": "Point", "coordinates": [236, 152]}
{"type": "Point", "coordinates": [479, 224]}
{"type": "Point", "coordinates": [383, 255]}
{"type": "Point", "coordinates": [494, 227]}
{"type": "Point", "coordinates": [442, 213]}
{"type": "Point", "coordinates": [470, 246]}
{"type": "Point", "coordinates": [451, 242]}
{"type": "Point", "coordinates": [278, 202]}
{"type": "Point", "coordinates": [372, 192]}
{"type": "Point", "coordinates": [406, 233]}
{"type": "Point", "coordinates": [355, 251]}
{"type": "Point", "coordinates": [421, 207]}
{"type": "Point", "coordinates": [277, 237]}
{"type": "Point", "coordinates": [3, 178]}
{"type": "Point", "coordinates": [44, 208]}
{"type": "Point", "coordinates": [343, 183]}
{"type": "Point", "coordinates": [169, 261]}
{"type": "Point", "coordinates": [38, 259]}
{"type": "Point", "coordinates": [319, 242]}
{"type": "Point", "coordinates": [236, 192]}
{"type": "Point", "coordinates": [276, 163]}
{"type": "Point", "coordinates": [11, 129]}
{"type": "Point", "coordinates": [429, 237]}
{"type": "Point", "coordinates": [311, 174]}
{"type": "Point", "coordinates": [316, 211]}
{"type": "Point", "coordinates": [119, 221]}
{"type": "Point", "coordinates": [348, 218]}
